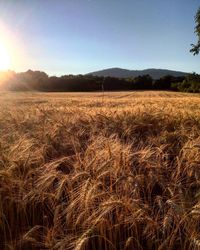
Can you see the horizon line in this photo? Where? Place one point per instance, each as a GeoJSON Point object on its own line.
{"type": "Point", "coordinates": [91, 72]}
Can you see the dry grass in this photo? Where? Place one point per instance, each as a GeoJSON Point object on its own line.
{"type": "Point", "coordinates": [92, 171]}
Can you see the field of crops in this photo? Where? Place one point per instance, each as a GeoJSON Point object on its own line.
{"type": "Point", "coordinates": [93, 171]}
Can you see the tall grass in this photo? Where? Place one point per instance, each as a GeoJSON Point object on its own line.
{"type": "Point", "coordinates": [76, 173]}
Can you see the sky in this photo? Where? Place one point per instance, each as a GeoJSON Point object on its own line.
{"type": "Point", "coordinates": [80, 36]}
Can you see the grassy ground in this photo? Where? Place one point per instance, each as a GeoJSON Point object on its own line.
{"type": "Point", "coordinates": [99, 171]}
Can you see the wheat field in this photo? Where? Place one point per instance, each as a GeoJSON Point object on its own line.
{"type": "Point", "coordinates": [93, 171]}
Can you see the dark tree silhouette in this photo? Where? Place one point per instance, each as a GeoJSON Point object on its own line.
{"type": "Point", "coordinates": [40, 81]}
{"type": "Point", "coordinates": [143, 82]}
{"type": "Point", "coordinates": [191, 83]}
{"type": "Point", "coordinates": [196, 47]}
{"type": "Point", "coordinates": [165, 82]}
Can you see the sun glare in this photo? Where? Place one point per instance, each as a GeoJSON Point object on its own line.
{"type": "Point", "coordinates": [4, 57]}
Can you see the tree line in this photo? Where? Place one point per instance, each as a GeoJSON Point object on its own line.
{"type": "Point", "coordinates": [40, 81]}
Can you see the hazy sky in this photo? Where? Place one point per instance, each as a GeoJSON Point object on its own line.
{"type": "Point", "coordinates": [80, 36]}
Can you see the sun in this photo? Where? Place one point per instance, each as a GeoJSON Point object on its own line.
{"type": "Point", "coordinates": [4, 57]}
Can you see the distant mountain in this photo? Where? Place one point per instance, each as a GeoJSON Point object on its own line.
{"type": "Point", "coordinates": [125, 73]}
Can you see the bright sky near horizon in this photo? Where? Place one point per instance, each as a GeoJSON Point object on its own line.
{"type": "Point", "coordinates": [80, 36]}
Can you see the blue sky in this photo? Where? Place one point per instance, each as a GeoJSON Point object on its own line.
{"type": "Point", "coordinates": [80, 36]}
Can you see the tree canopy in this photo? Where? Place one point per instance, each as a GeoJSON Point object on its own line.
{"type": "Point", "coordinates": [196, 47]}
{"type": "Point", "coordinates": [40, 81]}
